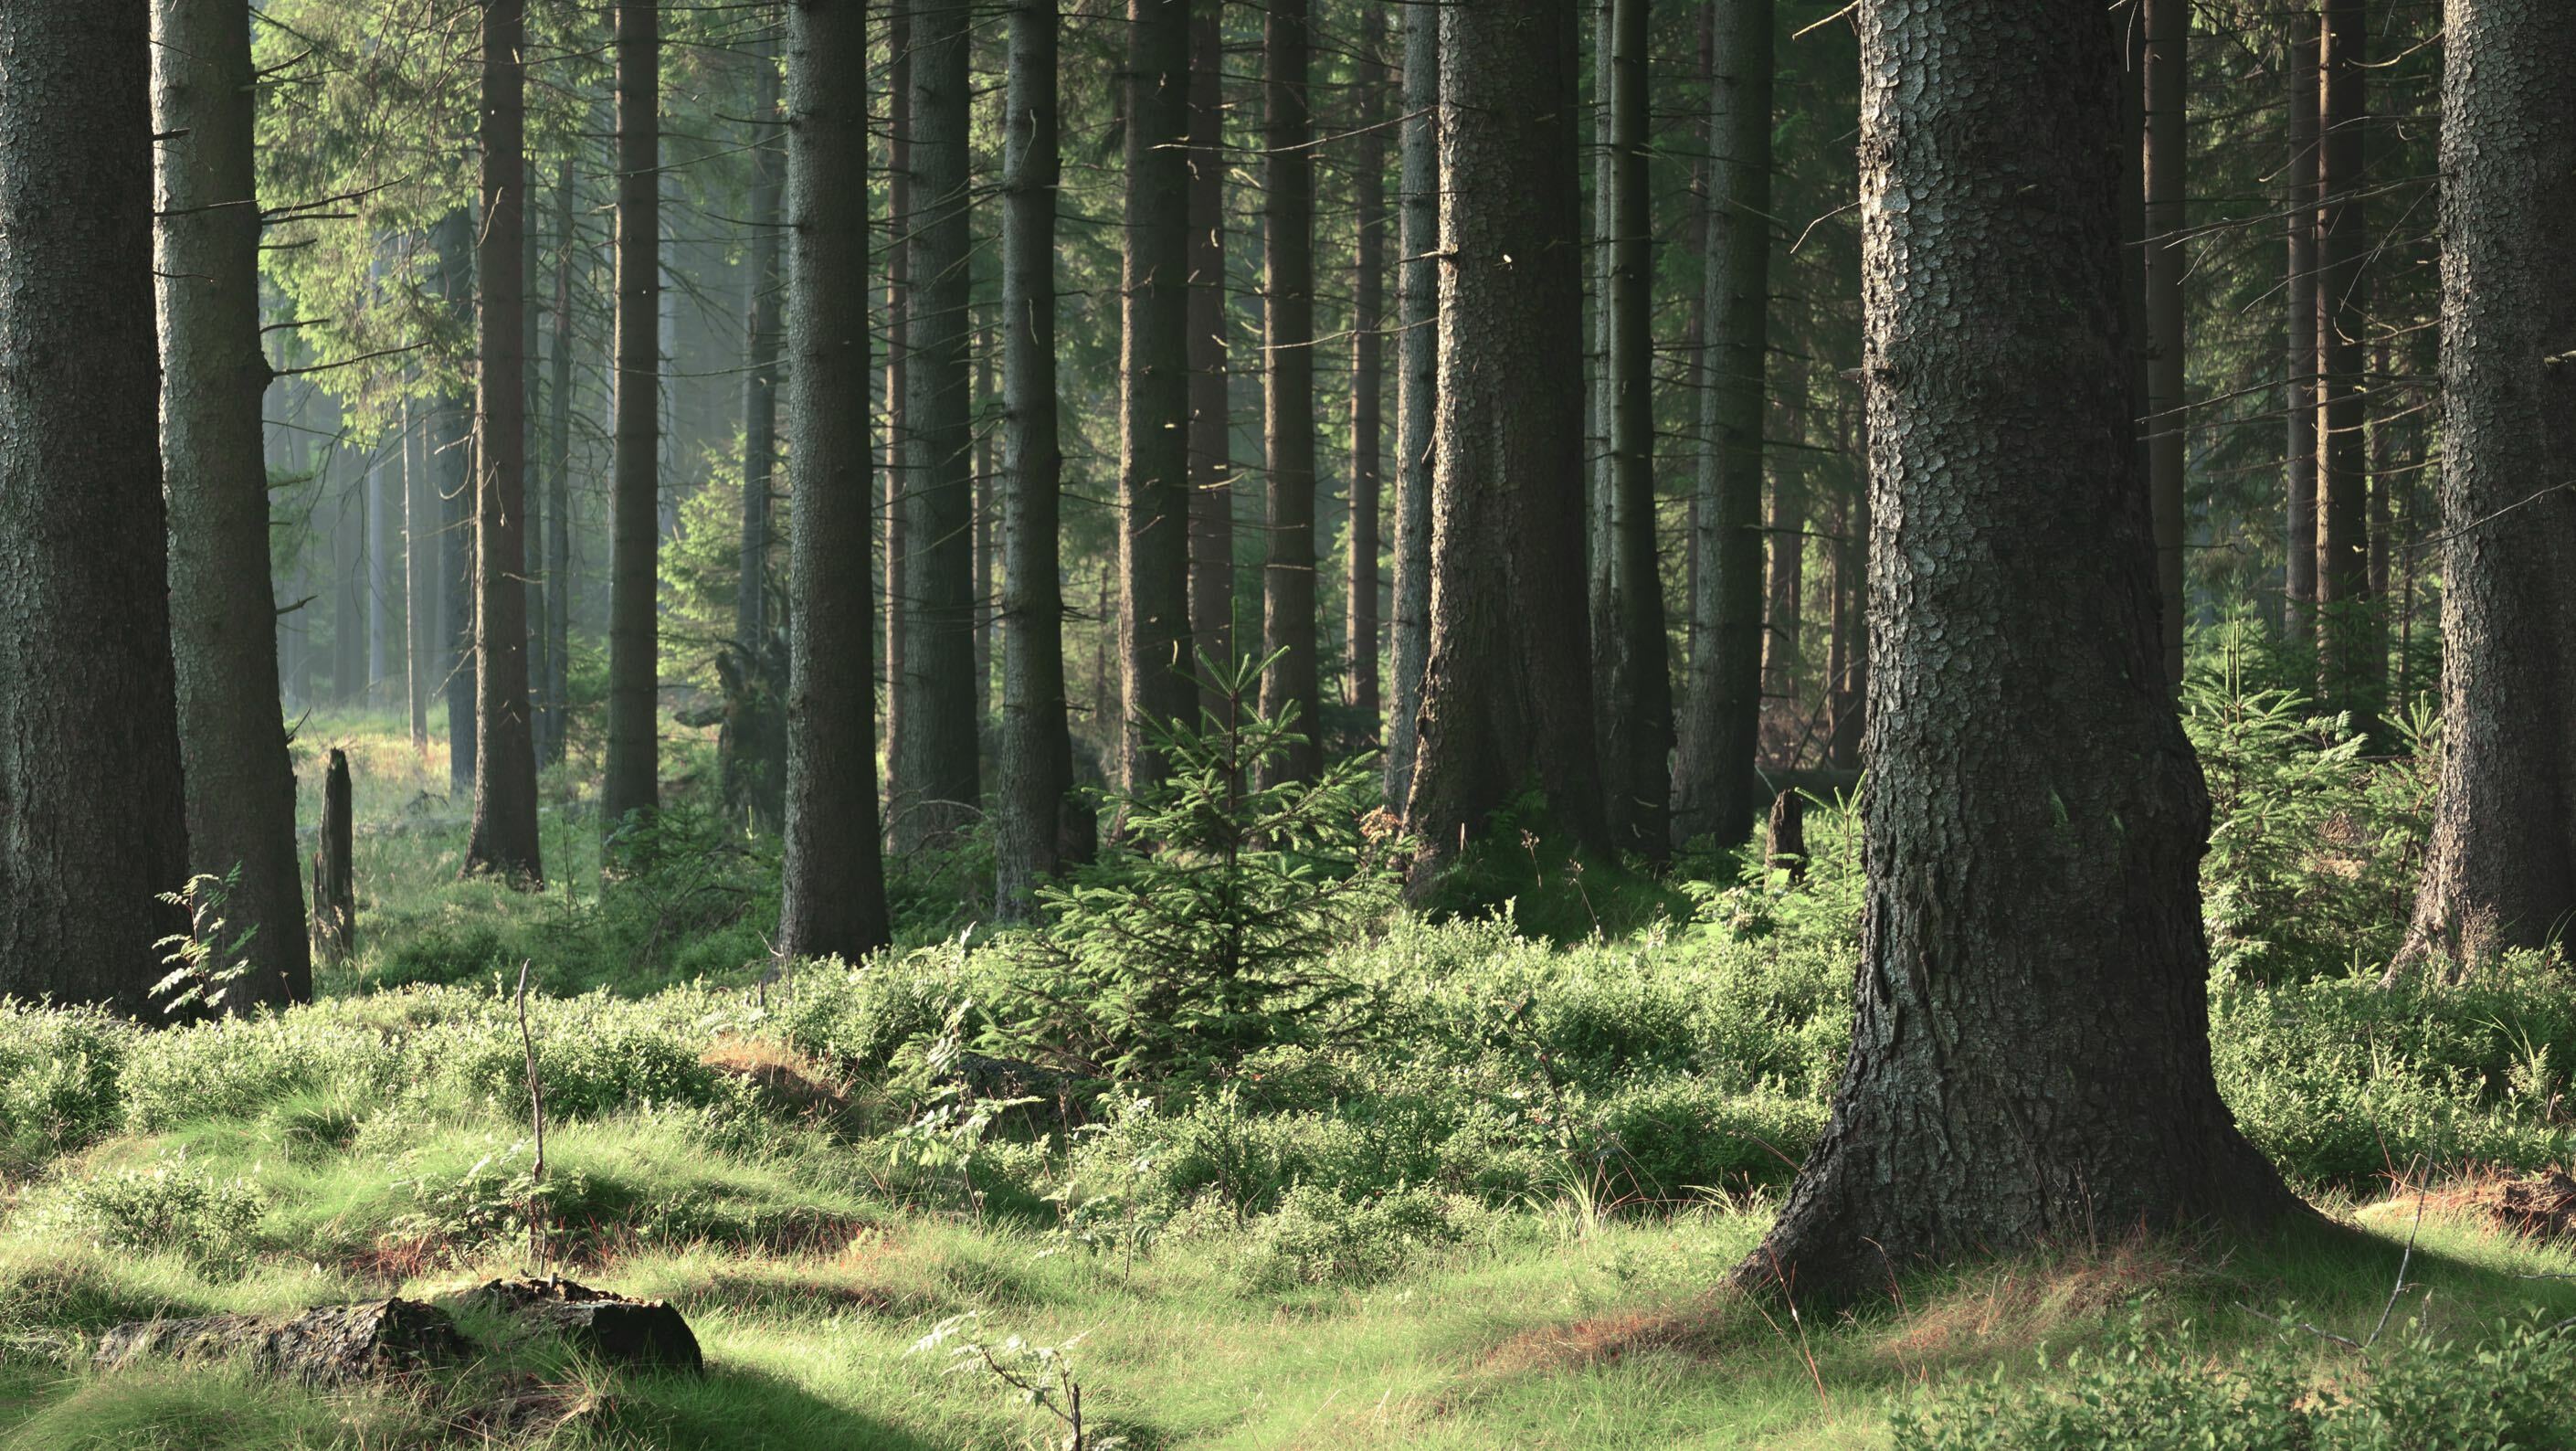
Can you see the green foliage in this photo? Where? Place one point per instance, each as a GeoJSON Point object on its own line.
{"type": "Point", "coordinates": [206, 961]}
{"type": "Point", "coordinates": [173, 1205]}
{"type": "Point", "coordinates": [61, 1071]}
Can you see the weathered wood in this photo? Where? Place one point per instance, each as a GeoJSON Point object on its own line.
{"type": "Point", "coordinates": [613, 1327]}
{"type": "Point", "coordinates": [1786, 850]}
{"type": "Point", "coordinates": [328, 1344]}
{"type": "Point", "coordinates": [335, 881]}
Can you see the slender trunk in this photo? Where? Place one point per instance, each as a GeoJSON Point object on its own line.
{"type": "Point", "coordinates": [240, 783]}
{"type": "Point", "coordinates": [1783, 613]}
{"type": "Point", "coordinates": [540, 507]}
{"type": "Point", "coordinates": [452, 446]}
{"type": "Point", "coordinates": [1417, 350]}
{"type": "Point", "coordinates": [2299, 454]}
{"type": "Point", "coordinates": [1038, 824]}
{"type": "Point", "coordinates": [2030, 1051]}
{"type": "Point", "coordinates": [1601, 510]}
{"type": "Point", "coordinates": [2168, 29]}
{"type": "Point", "coordinates": [754, 771]}
{"type": "Point", "coordinates": [1507, 696]}
{"type": "Point", "coordinates": [631, 781]}
{"type": "Point", "coordinates": [2343, 528]}
{"type": "Point", "coordinates": [899, 224]}
{"type": "Point", "coordinates": [832, 896]}
{"type": "Point", "coordinates": [553, 698]}
{"type": "Point", "coordinates": [1211, 443]}
{"type": "Point", "coordinates": [2383, 461]}
{"type": "Point", "coordinates": [349, 619]}
{"type": "Point", "coordinates": [2500, 871]}
{"type": "Point", "coordinates": [89, 721]}
{"type": "Point", "coordinates": [503, 838]}
{"type": "Point", "coordinates": [420, 585]}
{"type": "Point", "coordinates": [1721, 730]}
{"type": "Point", "coordinates": [1288, 626]}
{"type": "Point", "coordinates": [1368, 288]}
{"type": "Point", "coordinates": [984, 558]}
{"type": "Point", "coordinates": [384, 567]}
{"type": "Point", "coordinates": [1153, 368]}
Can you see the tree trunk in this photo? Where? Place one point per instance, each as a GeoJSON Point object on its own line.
{"type": "Point", "coordinates": [1288, 384]}
{"type": "Point", "coordinates": [1507, 695]}
{"type": "Point", "coordinates": [553, 707]}
{"type": "Point", "coordinates": [1155, 668]}
{"type": "Point", "coordinates": [2168, 29]}
{"type": "Point", "coordinates": [631, 781]}
{"type": "Point", "coordinates": [1851, 571]}
{"type": "Point", "coordinates": [2030, 1056]}
{"type": "Point", "coordinates": [1634, 709]}
{"type": "Point", "coordinates": [223, 613]}
{"type": "Point", "coordinates": [384, 570]}
{"type": "Point", "coordinates": [1417, 352]}
{"type": "Point", "coordinates": [832, 897]}
{"type": "Point", "coordinates": [89, 722]}
{"type": "Point", "coordinates": [335, 875]}
{"type": "Point", "coordinates": [420, 586]}
{"type": "Point", "coordinates": [349, 617]}
{"type": "Point", "coordinates": [754, 773]}
{"type": "Point", "coordinates": [941, 769]}
{"type": "Point", "coordinates": [1038, 825]}
{"type": "Point", "coordinates": [1368, 289]}
{"type": "Point", "coordinates": [1721, 727]}
{"type": "Point", "coordinates": [2299, 454]}
{"type": "Point", "coordinates": [1211, 441]}
{"type": "Point", "coordinates": [898, 474]}
{"type": "Point", "coordinates": [503, 839]}
{"type": "Point", "coordinates": [984, 557]}
{"type": "Point", "coordinates": [1601, 511]}
{"type": "Point", "coordinates": [451, 442]}
{"type": "Point", "coordinates": [2343, 519]}
{"type": "Point", "coordinates": [2501, 868]}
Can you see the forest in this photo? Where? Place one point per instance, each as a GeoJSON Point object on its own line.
{"type": "Point", "coordinates": [1142, 724]}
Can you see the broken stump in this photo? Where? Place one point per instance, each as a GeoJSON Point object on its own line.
{"type": "Point", "coordinates": [649, 1334]}
{"type": "Point", "coordinates": [325, 1345]}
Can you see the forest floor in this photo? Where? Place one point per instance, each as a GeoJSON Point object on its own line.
{"type": "Point", "coordinates": [842, 1265]}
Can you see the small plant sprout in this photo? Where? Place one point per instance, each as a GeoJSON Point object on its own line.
{"type": "Point", "coordinates": [1041, 1374]}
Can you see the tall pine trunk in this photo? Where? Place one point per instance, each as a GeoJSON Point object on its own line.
{"type": "Point", "coordinates": [898, 467]}
{"type": "Point", "coordinates": [223, 613]}
{"type": "Point", "coordinates": [1288, 623]}
{"type": "Point", "coordinates": [832, 895]}
{"type": "Point", "coordinates": [1368, 455]}
{"type": "Point", "coordinates": [553, 695]}
{"type": "Point", "coordinates": [451, 446]}
{"type": "Point", "coordinates": [631, 781]}
{"type": "Point", "coordinates": [2348, 622]}
{"type": "Point", "coordinates": [1211, 443]}
{"type": "Point", "coordinates": [1417, 352]}
{"type": "Point", "coordinates": [753, 773]}
{"type": "Point", "coordinates": [2030, 1056]}
{"type": "Point", "coordinates": [420, 583]}
{"type": "Point", "coordinates": [2168, 30]}
{"type": "Point", "coordinates": [89, 721]}
{"type": "Point", "coordinates": [2299, 370]}
{"type": "Point", "coordinates": [1155, 668]}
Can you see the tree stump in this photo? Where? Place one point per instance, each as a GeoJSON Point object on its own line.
{"type": "Point", "coordinates": [326, 1345]}
{"type": "Point", "coordinates": [646, 1334]}
{"type": "Point", "coordinates": [335, 881]}
{"type": "Point", "coordinates": [1787, 848]}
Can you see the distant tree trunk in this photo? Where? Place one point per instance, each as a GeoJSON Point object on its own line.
{"type": "Point", "coordinates": [832, 896]}
{"type": "Point", "coordinates": [2383, 462]}
{"type": "Point", "coordinates": [1288, 383]}
{"type": "Point", "coordinates": [96, 820]}
{"type": "Point", "coordinates": [899, 223]}
{"type": "Point", "coordinates": [2299, 455]}
{"type": "Point", "coordinates": [631, 781]}
{"type": "Point", "coordinates": [553, 708]}
{"type": "Point", "coordinates": [1601, 509]}
{"type": "Point", "coordinates": [984, 558]}
{"type": "Point", "coordinates": [1368, 288]}
{"type": "Point", "coordinates": [2030, 1056]}
{"type": "Point", "coordinates": [2350, 636]}
{"type": "Point", "coordinates": [1783, 613]}
{"type": "Point", "coordinates": [2501, 868]}
{"type": "Point", "coordinates": [1211, 442]}
{"type": "Point", "coordinates": [452, 445]}
{"type": "Point", "coordinates": [349, 617]}
{"type": "Point", "coordinates": [1417, 352]}
{"type": "Point", "coordinates": [420, 585]}
{"type": "Point", "coordinates": [2168, 28]}
{"type": "Point", "coordinates": [539, 506]}
{"type": "Point", "coordinates": [1507, 696]}
{"type": "Point", "coordinates": [941, 767]}
{"type": "Point", "coordinates": [1721, 727]}
{"type": "Point", "coordinates": [755, 777]}
{"type": "Point", "coordinates": [1037, 823]}
{"type": "Point", "coordinates": [503, 839]}
{"type": "Point", "coordinates": [1153, 369]}
{"type": "Point", "coordinates": [335, 877]}
{"type": "Point", "coordinates": [222, 611]}
{"type": "Point", "coordinates": [1634, 703]}
{"type": "Point", "coordinates": [384, 570]}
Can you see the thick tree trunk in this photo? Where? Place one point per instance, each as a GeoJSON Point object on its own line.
{"type": "Point", "coordinates": [1155, 668]}
{"type": "Point", "coordinates": [1722, 722]}
{"type": "Point", "coordinates": [1037, 823]}
{"type": "Point", "coordinates": [1417, 353]}
{"type": "Point", "coordinates": [898, 469]}
{"type": "Point", "coordinates": [503, 838]}
{"type": "Point", "coordinates": [631, 781]}
{"type": "Point", "coordinates": [2030, 1054]}
{"type": "Point", "coordinates": [2501, 869]}
{"type": "Point", "coordinates": [1634, 708]}
{"type": "Point", "coordinates": [1360, 540]}
{"type": "Point", "coordinates": [223, 613]}
{"type": "Point", "coordinates": [2168, 29]}
{"type": "Point", "coordinates": [832, 898]}
{"type": "Point", "coordinates": [1507, 696]}
{"type": "Point", "coordinates": [1211, 440]}
{"type": "Point", "coordinates": [2350, 636]}
{"type": "Point", "coordinates": [553, 698]}
{"type": "Point", "coordinates": [1288, 623]}
{"type": "Point", "coordinates": [2299, 452]}
{"type": "Point", "coordinates": [941, 769]}
{"type": "Point", "coordinates": [95, 818]}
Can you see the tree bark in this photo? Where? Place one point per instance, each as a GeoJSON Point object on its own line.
{"type": "Point", "coordinates": [554, 697]}
{"type": "Point", "coordinates": [420, 585]}
{"type": "Point", "coordinates": [941, 769]}
{"type": "Point", "coordinates": [832, 897]}
{"type": "Point", "coordinates": [1368, 290]}
{"type": "Point", "coordinates": [451, 447]}
{"type": "Point", "coordinates": [2168, 29]}
{"type": "Point", "coordinates": [1417, 352]}
{"type": "Point", "coordinates": [1288, 625]}
{"type": "Point", "coordinates": [2299, 453]}
{"type": "Point", "coordinates": [335, 875]}
{"type": "Point", "coordinates": [1507, 694]}
{"type": "Point", "coordinates": [92, 813]}
{"type": "Point", "coordinates": [1211, 441]}
{"type": "Point", "coordinates": [2500, 871]}
{"type": "Point", "coordinates": [2343, 529]}
{"type": "Point", "coordinates": [1037, 823]}
{"type": "Point", "coordinates": [1155, 668]}
{"type": "Point", "coordinates": [240, 784]}
{"type": "Point", "coordinates": [754, 778]}
{"type": "Point", "coordinates": [1721, 725]}
{"type": "Point", "coordinates": [502, 840]}
{"type": "Point", "coordinates": [631, 780]}
{"type": "Point", "coordinates": [2030, 1056]}
{"type": "Point", "coordinates": [898, 473]}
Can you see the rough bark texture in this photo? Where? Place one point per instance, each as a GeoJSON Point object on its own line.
{"type": "Point", "coordinates": [2168, 28]}
{"type": "Point", "coordinates": [1634, 707]}
{"type": "Point", "coordinates": [1288, 613]}
{"type": "Point", "coordinates": [1721, 724]}
{"type": "Point", "coordinates": [1851, 680]}
{"type": "Point", "coordinates": [1360, 540]}
{"type": "Point", "coordinates": [631, 781]}
{"type": "Point", "coordinates": [335, 876]}
{"type": "Point", "coordinates": [1155, 668]}
{"type": "Point", "coordinates": [554, 692]}
{"type": "Point", "coordinates": [326, 1345]}
{"type": "Point", "coordinates": [1211, 424]}
{"type": "Point", "coordinates": [2030, 1054]}
{"type": "Point", "coordinates": [502, 840]}
{"type": "Point", "coordinates": [614, 1329]}
{"type": "Point", "coordinates": [941, 766]}
{"type": "Point", "coordinates": [898, 469]}
{"type": "Point", "coordinates": [1507, 697]}
{"type": "Point", "coordinates": [223, 614]}
{"type": "Point", "coordinates": [2299, 449]}
{"type": "Point", "coordinates": [1417, 353]}
{"type": "Point", "coordinates": [92, 820]}
{"type": "Point", "coordinates": [754, 778]}
{"type": "Point", "coordinates": [832, 898]}
{"type": "Point", "coordinates": [2350, 635]}
{"type": "Point", "coordinates": [2501, 868]}
{"type": "Point", "coordinates": [1036, 823]}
